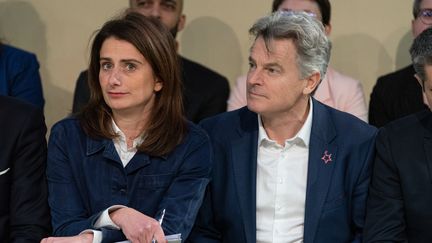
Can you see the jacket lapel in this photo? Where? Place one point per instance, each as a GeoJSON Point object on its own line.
{"type": "Point", "coordinates": [322, 159]}
{"type": "Point", "coordinates": [244, 160]}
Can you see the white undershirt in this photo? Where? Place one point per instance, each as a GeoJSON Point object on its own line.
{"type": "Point", "coordinates": [281, 185]}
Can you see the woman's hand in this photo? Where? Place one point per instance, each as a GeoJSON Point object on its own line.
{"type": "Point", "coordinates": [138, 227]}
{"type": "Point", "coordinates": [82, 238]}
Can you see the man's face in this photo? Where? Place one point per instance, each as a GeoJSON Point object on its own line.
{"type": "Point", "coordinates": [427, 85]}
{"type": "Point", "coordinates": [168, 11]}
{"type": "Point", "coordinates": [308, 6]}
{"type": "Point", "coordinates": [274, 86]}
{"type": "Point", "coordinates": [417, 24]}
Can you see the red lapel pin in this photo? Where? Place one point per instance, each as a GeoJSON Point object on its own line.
{"type": "Point", "coordinates": [327, 157]}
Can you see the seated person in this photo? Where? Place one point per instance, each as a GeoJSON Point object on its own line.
{"type": "Point", "coordinates": [19, 75]}
{"type": "Point", "coordinates": [400, 193]}
{"type": "Point", "coordinates": [336, 90]}
{"type": "Point", "coordinates": [24, 211]}
{"type": "Point", "coordinates": [130, 155]}
{"type": "Point", "coordinates": [286, 167]}
{"type": "Point", "coordinates": [398, 94]}
{"type": "Point", "coordinates": [205, 92]}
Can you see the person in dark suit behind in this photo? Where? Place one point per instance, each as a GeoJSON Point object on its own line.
{"type": "Point", "coordinates": [205, 92]}
{"type": "Point", "coordinates": [287, 168]}
{"type": "Point", "coordinates": [398, 94]}
{"type": "Point", "coordinates": [400, 198]}
{"type": "Point", "coordinates": [24, 212]}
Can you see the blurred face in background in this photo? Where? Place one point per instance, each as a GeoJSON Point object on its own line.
{"type": "Point", "coordinates": [308, 6]}
{"type": "Point", "coordinates": [169, 12]}
{"type": "Point", "coordinates": [424, 19]}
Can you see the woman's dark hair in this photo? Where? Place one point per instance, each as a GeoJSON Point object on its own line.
{"type": "Point", "coordinates": [166, 126]}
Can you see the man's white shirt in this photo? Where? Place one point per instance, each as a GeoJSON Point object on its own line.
{"type": "Point", "coordinates": [281, 185]}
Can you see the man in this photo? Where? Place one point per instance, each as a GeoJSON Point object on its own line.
{"type": "Point", "coordinates": [286, 167]}
{"type": "Point", "coordinates": [19, 75]}
{"type": "Point", "coordinates": [205, 92]}
{"type": "Point", "coordinates": [400, 196]}
{"type": "Point", "coordinates": [336, 90]}
{"type": "Point", "coordinates": [24, 212]}
{"type": "Point", "coordinates": [398, 94]}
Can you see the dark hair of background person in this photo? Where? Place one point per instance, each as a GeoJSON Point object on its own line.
{"type": "Point", "coordinates": [416, 8]}
{"type": "Point", "coordinates": [324, 6]}
{"type": "Point", "coordinates": [166, 126]}
{"type": "Point", "coordinates": [421, 54]}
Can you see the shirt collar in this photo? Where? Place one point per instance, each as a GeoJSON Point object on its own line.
{"type": "Point", "coordinates": [303, 134]}
{"type": "Point", "coordinates": [122, 137]}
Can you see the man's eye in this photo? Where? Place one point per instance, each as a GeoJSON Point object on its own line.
{"type": "Point", "coordinates": [272, 70]}
{"type": "Point", "coordinates": [169, 6]}
{"type": "Point", "coordinates": [251, 65]}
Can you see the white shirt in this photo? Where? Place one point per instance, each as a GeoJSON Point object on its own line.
{"type": "Point", "coordinates": [281, 185]}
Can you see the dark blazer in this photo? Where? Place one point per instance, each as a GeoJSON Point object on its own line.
{"type": "Point", "coordinates": [395, 95]}
{"type": "Point", "coordinates": [336, 191]}
{"type": "Point", "coordinates": [24, 213]}
{"type": "Point", "coordinates": [400, 199]}
{"type": "Point", "coordinates": [205, 92]}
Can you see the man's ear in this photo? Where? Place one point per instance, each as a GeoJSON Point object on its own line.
{"type": "Point", "coordinates": [312, 83]}
{"type": "Point", "coordinates": [327, 29]}
{"type": "Point", "coordinates": [420, 81]}
{"type": "Point", "coordinates": [181, 23]}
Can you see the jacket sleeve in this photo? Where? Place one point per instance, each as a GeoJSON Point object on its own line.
{"type": "Point", "coordinates": [385, 220]}
{"type": "Point", "coordinates": [184, 196]}
{"type": "Point", "coordinates": [26, 84]}
{"type": "Point", "coordinates": [204, 230]}
{"type": "Point", "coordinates": [29, 212]}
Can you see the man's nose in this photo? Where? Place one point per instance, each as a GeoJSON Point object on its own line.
{"type": "Point", "coordinates": [156, 11]}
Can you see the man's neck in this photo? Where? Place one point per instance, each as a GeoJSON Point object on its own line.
{"type": "Point", "coordinates": [283, 126]}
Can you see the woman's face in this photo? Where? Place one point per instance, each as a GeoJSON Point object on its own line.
{"type": "Point", "coordinates": [126, 78]}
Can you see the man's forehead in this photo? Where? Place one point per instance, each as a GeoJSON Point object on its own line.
{"type": "Point", "coordinates": [178, 2]}
{"type": "Point", "coordinates": [273, 49]}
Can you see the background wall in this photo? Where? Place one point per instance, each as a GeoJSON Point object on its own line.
{"type": "Point", "coordinates": [369, 38]}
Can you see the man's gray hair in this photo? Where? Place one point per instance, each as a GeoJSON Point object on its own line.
{"type": "Point", "coordinates": [421, 53]}
{"type": "Point", "coordinates": [307, 34]}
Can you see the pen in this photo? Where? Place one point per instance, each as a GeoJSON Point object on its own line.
{"type": "Point", "coordinates": [162, 217]}
{"type": "Point", "coordinates": [160, 221]}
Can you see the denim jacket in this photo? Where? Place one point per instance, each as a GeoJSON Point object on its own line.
{"type": "Point", "coordinates": [86, 176]}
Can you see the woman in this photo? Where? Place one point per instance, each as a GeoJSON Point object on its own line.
{"type": "Point", "coordinates": [130, 155]}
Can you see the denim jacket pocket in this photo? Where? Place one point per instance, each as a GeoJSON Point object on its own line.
{"type": "Point", "coordinates": [155, 181]}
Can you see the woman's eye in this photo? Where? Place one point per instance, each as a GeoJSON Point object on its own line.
{"type": "Point", "coordinates": [106, 66]}
{"type": "Point", "coordinates": [130, 67]}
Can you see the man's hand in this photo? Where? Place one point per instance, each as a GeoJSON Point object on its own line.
{"type": "Point", "coordinates": [82, 238]}
{"type": "Point", "coordinates": [138, 227]}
